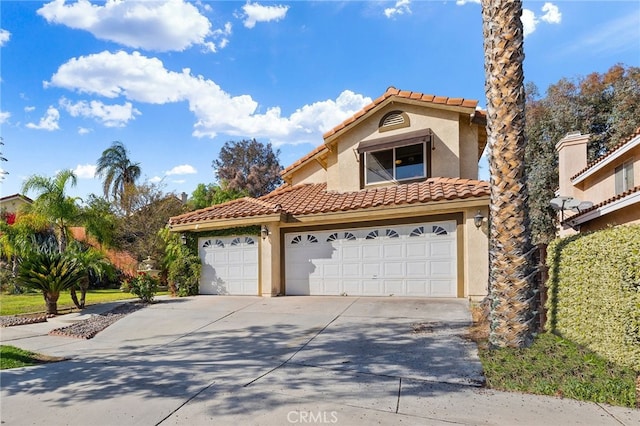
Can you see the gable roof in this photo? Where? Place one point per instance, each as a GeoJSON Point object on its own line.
{"type": "Point", "coordinates": [16, 197]}
{"type": "Point", "coordinates": [307, 199]}
{"type": "Point", "coordinates": [477, 116]}
{"type": "Point", "coordinates": [392, 92]}
{"type": "Point", "coordinates": [634, 139]}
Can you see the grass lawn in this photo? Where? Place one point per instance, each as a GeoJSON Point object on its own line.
{"type": "Point", "coordinates": [15, 304]}
{"type": "Point", "coordinates": [12, 357]}
{"type": "Point", "coordinates": [557, 367]}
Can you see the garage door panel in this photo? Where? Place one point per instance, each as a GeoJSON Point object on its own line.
{"type": "Point", "coordinates": [229, 265]}
{"type": "Point", "coordinates": [398, 260]}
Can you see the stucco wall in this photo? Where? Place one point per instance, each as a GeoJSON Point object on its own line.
{"type": "Point", "coordinates": [311, 172]}
{"type": "Point", "coordinates": [601, 185]}
{"type": "Point", "coordinates": [476, 249]}
{"type": "Point", "coordinates": [450, 130]}
{"type": "Point", "coordinates": [269, 266]}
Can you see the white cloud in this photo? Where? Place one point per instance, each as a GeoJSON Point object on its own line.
{"type": "Point", "coordinates": [4, 37]}
{"type": "Point", "coordinates": [530, 21]}
{"type": "Point", "coordinates": [159, 25]}
{"type": "Point", "coordinates": [85, 171]}
{"type": "Point", "coordinates": [401, 7]}
{"type": "Point", "coordinates": [48, 122]}
{"type": "Point", "coordinates": [84, 130]}
{"type": "Point", "coordinates": [183, 169]}
{"type": "Point", "coordinates": [141, 79]}
{"type": "Point", "coordinates": [155, 179]}
{"type": "Point", "coordinates": [4, 117]}
{"type": "Point", "coordinates": [109, 115]}
{"type": "Point", "coordinates": [552, 14]}
{"type": "Point", "coordinates": [255, 12]}
{"type": "Point", "coordinates": [29, 109]}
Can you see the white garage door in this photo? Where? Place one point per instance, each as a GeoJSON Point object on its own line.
{"type": "Point", "coordinates": [403, 260]}
{"type": "Point", "coordinates": [229, 265]}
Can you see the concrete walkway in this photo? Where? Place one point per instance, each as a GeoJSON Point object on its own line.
{"type": "Point", "coordinates": [212, 360]}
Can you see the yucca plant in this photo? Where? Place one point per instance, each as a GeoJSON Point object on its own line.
{"type": "Point", "coordinates": [51, 273]}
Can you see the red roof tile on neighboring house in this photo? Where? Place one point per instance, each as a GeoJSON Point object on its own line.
{"type": "Point", "coordinates": [392, 91]}
{"type": "Point", "coordinates": [605, 202]}
{"type": "Point", "coordinates": [314, 198]}
{"type": "Point", "coordinates": [608, 153]}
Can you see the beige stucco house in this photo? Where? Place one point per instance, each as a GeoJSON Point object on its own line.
{"type": "Point", "coordinates": [385, 206]}
{"type": "Point", "coordinates": [12, 203]}
{"type": "Point", "coordinates": [611, 183]}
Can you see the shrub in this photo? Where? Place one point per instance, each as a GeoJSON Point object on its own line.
{"type": "Point", "coordinates": [143, 285]}
{"type": "Point", "coordinates": [594, 292]}
{"type": "Point", "coordinates": [184, 272]}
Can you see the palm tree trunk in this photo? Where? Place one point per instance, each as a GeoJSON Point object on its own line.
{"type": "Point", "coordinates": [511, 268]}
{"type": "Point", "coordinates": [51, 300]}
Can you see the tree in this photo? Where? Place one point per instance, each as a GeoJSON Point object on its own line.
{"type": "Point", "coordinates": [100, 220]}
{"type": "Point", "coordinates": [119, 174]}
{"type": "Point", "coordinates": [94, 264]}
{"type": "Point", "coordinates": [137, 233]}
{"type": "Point", "coordinates": [206, 195]}
{"type": "Point", "coordinates": [607, 106]}
{"type": "Point", "coordinates": [511, 269]}
{"type": "Point", "coordinates": [248, 165]}
{"type": "Point", "coordinates": [2, 159]}
{"type": "Point", "coordinates": [53, 202]}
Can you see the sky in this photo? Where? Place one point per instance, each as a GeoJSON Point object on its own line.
{"type": "Point", "coordinates": [173, 80]}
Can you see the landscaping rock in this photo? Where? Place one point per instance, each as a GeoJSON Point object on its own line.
{"type": "Point", "coordinates": [88, 328]}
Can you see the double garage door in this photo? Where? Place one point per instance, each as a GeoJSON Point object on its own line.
{"type": "Point", "coordinates": [405, 260]}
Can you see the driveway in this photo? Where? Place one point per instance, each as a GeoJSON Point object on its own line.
{"type": "Point", "coordinates": [273, 361]}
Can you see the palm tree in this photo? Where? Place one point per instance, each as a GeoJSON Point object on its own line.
{"type": "Point", "coordinates": [511, 266]}
{"type": "Point", "coordinates": [118, 172]}
{"type": "Point", "coordinates": [49, 272]}
{"type": "Point", "coordinates": [53, 202]}
{"type": "Point", "coordinates": [93, 263]}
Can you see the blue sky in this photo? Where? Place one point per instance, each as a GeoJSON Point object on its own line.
{"type": "Point", "coordinates": [175, 79]}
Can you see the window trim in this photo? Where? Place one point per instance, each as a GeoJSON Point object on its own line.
{"type": "Point", "coordinates": [426, 163]}
{"type": "Point", "coordinates": [623, 177]}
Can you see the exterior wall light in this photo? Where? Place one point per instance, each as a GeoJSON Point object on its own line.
{"type": "Point", "coordinates": [183, 238]}
{"type": "Point", "coordinates": [478, 219]}
{"type": "Point", "coordinates": [264, 231]}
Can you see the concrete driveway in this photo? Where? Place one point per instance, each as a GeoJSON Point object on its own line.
{"type": "Point", "coordinates": [273, 361]}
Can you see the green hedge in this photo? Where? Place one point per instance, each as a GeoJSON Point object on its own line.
{"type": "Point", "coordinates": [594, 292]}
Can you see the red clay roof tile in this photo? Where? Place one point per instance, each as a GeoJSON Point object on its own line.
{"type": "Point", "coordinates": [314, 198]}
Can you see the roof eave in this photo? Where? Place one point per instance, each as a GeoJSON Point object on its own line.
{"type": "Point", "coordinates": [225, 223]}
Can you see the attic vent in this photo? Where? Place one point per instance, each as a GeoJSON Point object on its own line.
{"type": "Point", "coordinates": [393, 120]}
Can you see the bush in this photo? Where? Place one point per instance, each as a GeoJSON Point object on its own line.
{"type": "Point", "coordinates": [143, 285]}
{"type": "Point", "coordinates": [184, 272]}
{"type": "Point", "coordinates": [594, 292]}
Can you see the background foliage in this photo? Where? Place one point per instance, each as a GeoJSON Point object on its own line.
{"type": "Point", "coordinates": [607, 106]}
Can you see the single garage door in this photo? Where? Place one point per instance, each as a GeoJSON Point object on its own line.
{"type": "Point", "coordinates": [404, 260]}
{"type": "Point", "coordinates": [229, 265]}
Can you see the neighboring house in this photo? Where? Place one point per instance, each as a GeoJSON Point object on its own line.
{"type": "Point", "coordinates": [10, 205]}
{"type": "Point", "coordinates": [611, 183]}
{"type": "Point", "coordinates": [384, 207]}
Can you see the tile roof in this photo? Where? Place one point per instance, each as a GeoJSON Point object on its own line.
{"type": "Point", "coordinates": [306, 199]}
{"type": "Point", "coordinates": [392, 91]}
{"type": "Point", "coordinates": [608, 153]}
{"type": "Point", "coordinates": [297, 163]}
{"type": "Point", "coordinates": [605, 202]}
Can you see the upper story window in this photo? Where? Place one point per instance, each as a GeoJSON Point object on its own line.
{"type": "Point", "coordinates": [393, 120]}
{"type": "Point", "coordinates": [396, 164]}
{"type": "Point", "coordinates": [624, 177]}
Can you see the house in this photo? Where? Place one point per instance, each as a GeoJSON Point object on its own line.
{"type": "Point", "coordinates": [11, 204]}
{"type": "Point", "coordinates": [386, 206]}
{"type": "Point", "coordinates": [603, 192]}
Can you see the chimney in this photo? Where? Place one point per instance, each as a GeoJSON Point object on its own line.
{"type": "Point", "coordinates": [183, 198]}
{"type": "Point", "coordinates": [572, 157]}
